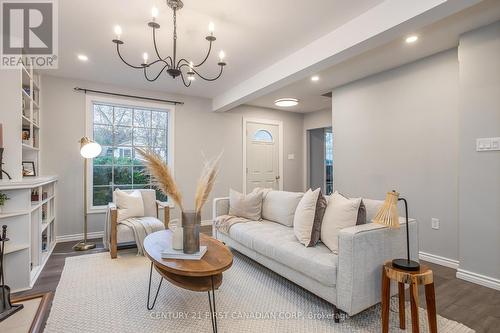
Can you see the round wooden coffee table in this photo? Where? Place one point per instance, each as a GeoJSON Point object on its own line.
{"type": "Point", "coordinates": [196, 275]}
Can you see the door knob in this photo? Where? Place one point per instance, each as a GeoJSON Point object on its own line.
{"type": "Point", "coordinates": [277, 177]}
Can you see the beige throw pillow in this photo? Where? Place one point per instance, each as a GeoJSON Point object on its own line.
{"type": "Point", "coordinates": [303, 219]}
{"type": "Point", "coordinates": [128, 204]}
{"type": "Point", "coordinates": [340, 213]}
{"type": "Point", "coordinates": [280, 206]}
{"type": "Point", "coordinates": [318, 219]}
{"type": "Point", "coordinates": [248, 206]}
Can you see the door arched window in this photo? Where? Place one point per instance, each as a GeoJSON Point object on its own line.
{"type": "Point", "coordinates": [263, 136]}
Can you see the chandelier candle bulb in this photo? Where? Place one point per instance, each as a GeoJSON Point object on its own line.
{"type": "Point", "coordinates": [118, 31]}
{"type": "Point", "coordinates": [145, 57]}
{"type": "Point", "coordinates": [211, 28]}
{"type": "Point", "coordinates": [222, 55]}
{"type": "Point", "coordinates": [154, 13]}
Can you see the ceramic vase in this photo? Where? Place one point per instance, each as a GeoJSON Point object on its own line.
{"type": "Point", "coordinates": [191, 222]}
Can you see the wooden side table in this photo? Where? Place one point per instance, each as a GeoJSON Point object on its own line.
{"type": "Point", "coordinates": [421, 277]}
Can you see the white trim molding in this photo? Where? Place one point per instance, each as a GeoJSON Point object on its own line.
{"type": "Point", "coordinates": [480, 279]}
{"type": "Point", "coordinates": [78, 237]}
{"type": "Point", "coordinates": [279, 123]}
{"type": "Point", "coordinates": [438, 260]}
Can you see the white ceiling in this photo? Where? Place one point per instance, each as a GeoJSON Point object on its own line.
{"type": "Point", "coordinates": [254, 34]}
{"type": "Point", "coordinates": [437, 37]}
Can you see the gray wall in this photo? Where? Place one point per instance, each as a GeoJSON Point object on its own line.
{"type": "Point", "coordinates": [399, 130]}
{"type": "Point", "coordinates": [316, 157]}
{"type": "Point", "coordinates": [197, 130]}
{"type": "Point", "coordinates": [479, 54]}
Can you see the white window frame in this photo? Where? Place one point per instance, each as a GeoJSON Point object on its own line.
{"type": "Point", "coordinates": [90, 99]}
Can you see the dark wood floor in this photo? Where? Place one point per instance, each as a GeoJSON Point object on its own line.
{"type": "Point", "coordinates": [475, 306]}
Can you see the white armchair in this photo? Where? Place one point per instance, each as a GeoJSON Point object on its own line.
{"type": "Point", "coordinates": [117, 234]}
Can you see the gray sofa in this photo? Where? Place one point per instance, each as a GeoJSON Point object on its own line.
{"type": "Point", "coordinates": [349, 280]}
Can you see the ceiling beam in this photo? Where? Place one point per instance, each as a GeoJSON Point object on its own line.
{"type": "Point", "coordinates": [383, 23]}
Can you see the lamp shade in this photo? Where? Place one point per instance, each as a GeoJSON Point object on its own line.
{"type": "Point", "coordinates": [89, 148]}
{"type": "Point", "coordinates": [388, 214]}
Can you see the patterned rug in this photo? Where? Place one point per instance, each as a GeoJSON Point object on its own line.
{"type": "Point", "coordinates": [97, 294]}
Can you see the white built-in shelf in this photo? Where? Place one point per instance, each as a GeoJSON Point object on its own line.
{"type": "Point", "coordinates": [12, 214]}
{"type": "Point", "coordinates": [37, 204]}
{"type": "Point", "coordinates": [28, 147]}
{"type": "Point", "coordinates": [15, 248]}
{"type": "Point", "coordinates": [27, 122]}
{"type": "Point", "coordinates": [46, 223]}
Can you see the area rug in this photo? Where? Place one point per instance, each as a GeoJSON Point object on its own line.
{"type": "Point", "coordinates": [97, 294]}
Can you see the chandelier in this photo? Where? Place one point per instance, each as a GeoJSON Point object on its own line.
{"type": "Point", "coordinates": [173, 66]}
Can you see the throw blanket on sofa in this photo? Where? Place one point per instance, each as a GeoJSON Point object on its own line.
{"type": "Point", "coordinates": [224, 222]}
{"type": "Point", "coordinates": [142, 227]}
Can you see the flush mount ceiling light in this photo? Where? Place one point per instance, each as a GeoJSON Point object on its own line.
{"type": "Point", "coordinates": [314, 78]}
{"type": "Point", "coordinates": [83, 57]}
{"type": "Point", "coordinates": [411, 39]}
{"type": "Point", "coordinates": [286, 102]}
{"type": "Point", "coordinates": [171, 64]}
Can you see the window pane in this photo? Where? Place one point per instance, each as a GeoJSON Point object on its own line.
{"type": "Point", "coordinates": [263, 136]}
{"type": "Point", "coordinates": [137, 159]}
{"type": "Point", "coordinates": [123, 116]}
{"type": "Point", "coordinates": [140, 175]}
{"type": "Point", "coordinates": [101, 195]}
{"type": "Point", "coordinates": [159, 138]}
{"type": "Point", "coordinates": [105, 158]}
{"type": "Point", "coordinates": [103, 114]}
{"type": "Point", "coordinates": [103, 135]}
{"type": "Point", "coordinates": [124, 187]}
{"type": "Point", "coordinates": [159, 119]}
{"type": "Point", "coordinates": [140, 187]}
{"type": "Point", "coordinates": [162, 152]}
{"type": "Point", "coordinates": [123, 136]}
{"type": "Point", "coordinates": [142, 118]}
{"type": "Point", "coordinates": [123, 175]}
{"type": "Point", "coordinates": [102, 175]}
{"type": "Point", "coordinates": [160, 196]}
{"type": "Point", "coordinates": [123, 156]}
{"type": "Point", "coordinates": [141, 136]}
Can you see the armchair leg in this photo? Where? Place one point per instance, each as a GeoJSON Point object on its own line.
{"type": "Point", "coordinates": [113, 247]}
{"type": "Point", "coordinates": [113, 250]}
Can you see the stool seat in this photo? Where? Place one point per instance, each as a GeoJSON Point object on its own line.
{"type": "Point", "coordinates": [422, 277]}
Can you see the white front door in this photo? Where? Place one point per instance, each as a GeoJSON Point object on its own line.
{"type": "Point", "coordinates": [262, 156]}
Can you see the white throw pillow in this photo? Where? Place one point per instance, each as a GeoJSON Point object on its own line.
{"type": "Point", "coordinates": [248, 206]}
{"type": "Point", "coordinates": [372, 208]}
{"type": "Point", "coordinates": [280, 206]}
{"type": "Point", "coordinates": [304, 216]}
{"type": "Point", "coordinates": [129, 204]}
{"type": "Point", "coordinates": [340, 213]}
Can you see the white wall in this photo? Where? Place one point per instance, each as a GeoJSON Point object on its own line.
{"type": "Point", "coordinates": [399, 130]}
{"type": "Point", "coordinates": [10, 117]}
{"type": "Point", "coordinates": [197, 130]}
{"type": "Point", "coordinates": [479, 54]}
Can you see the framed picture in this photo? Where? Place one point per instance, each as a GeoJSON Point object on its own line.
{"type": "Point", "coordinates": [29, 169]}
{"type": "Point", "coordinates": [26, 134]}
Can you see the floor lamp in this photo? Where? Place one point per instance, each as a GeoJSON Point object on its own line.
{"type": "Point", "coordinates": [88, 149]}
{"type": "Point", "coordinates": [388, 216]}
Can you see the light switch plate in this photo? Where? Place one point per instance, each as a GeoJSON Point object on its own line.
{"type": "Point", "coordinates": [487, 144]}
{"type": "Point", "coordinates": [435, 223]}
{"type": "Point", "coordinates": [291, 156]}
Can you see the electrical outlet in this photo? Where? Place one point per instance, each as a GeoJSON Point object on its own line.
{"type": "Point", "coordinates": [435, 223]}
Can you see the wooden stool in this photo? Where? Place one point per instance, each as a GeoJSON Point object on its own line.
{"type": "Point", "coordinates": [423, 277]}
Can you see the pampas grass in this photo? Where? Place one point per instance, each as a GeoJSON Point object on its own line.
{"type": "Point", "coordinates": [161, 174]}
{"type": "Point", "coordinates": [163, 178]}
{"type": "Point", "coordinates": [206, 182]}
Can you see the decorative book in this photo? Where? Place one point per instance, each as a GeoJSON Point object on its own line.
{"type": "Point", "coordinates": [178, 254]}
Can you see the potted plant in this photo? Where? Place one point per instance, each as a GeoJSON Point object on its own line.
{"type": "Point", "coordinates": [3, 198]}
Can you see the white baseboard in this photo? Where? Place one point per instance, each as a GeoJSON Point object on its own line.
{"type": "Point", "coordinates": [482, 280]}
{"type": "Point", "coordinates": [77, 237]}
{"type": "Point", "coordinates": [443, 261]}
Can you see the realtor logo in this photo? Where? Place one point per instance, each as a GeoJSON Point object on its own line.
{"type": "Point", "coordinates": [29, 33]}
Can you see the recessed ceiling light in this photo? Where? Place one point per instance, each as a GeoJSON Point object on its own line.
{"type": "Point", "coordinates": [314, 78]}
{"type": "Point", "coordinates": [83, 57]}
{"type": "Point", "coordinates": [286, 102]}
{"type": "Point", "coordinates": [411, 39]}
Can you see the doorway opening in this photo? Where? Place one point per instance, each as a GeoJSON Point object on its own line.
{"type": "Point", "coordinates": [320, 159]}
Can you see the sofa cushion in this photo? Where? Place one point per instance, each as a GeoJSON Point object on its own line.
{"type": "Point", "coordinates": [372, 208]}
{"type": "Point", "coordinates": [340, 213]}
{"type": "Point", "coordinates": [278, 242]}
{"type": "Point", "coordinates": [128, 204]}
{"type": "Point", "coordinates": [303, 219]}
{"type": "Point", "coordinates": [279, 206]}
{"type": "Point", "coordinates": [248, 206]}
